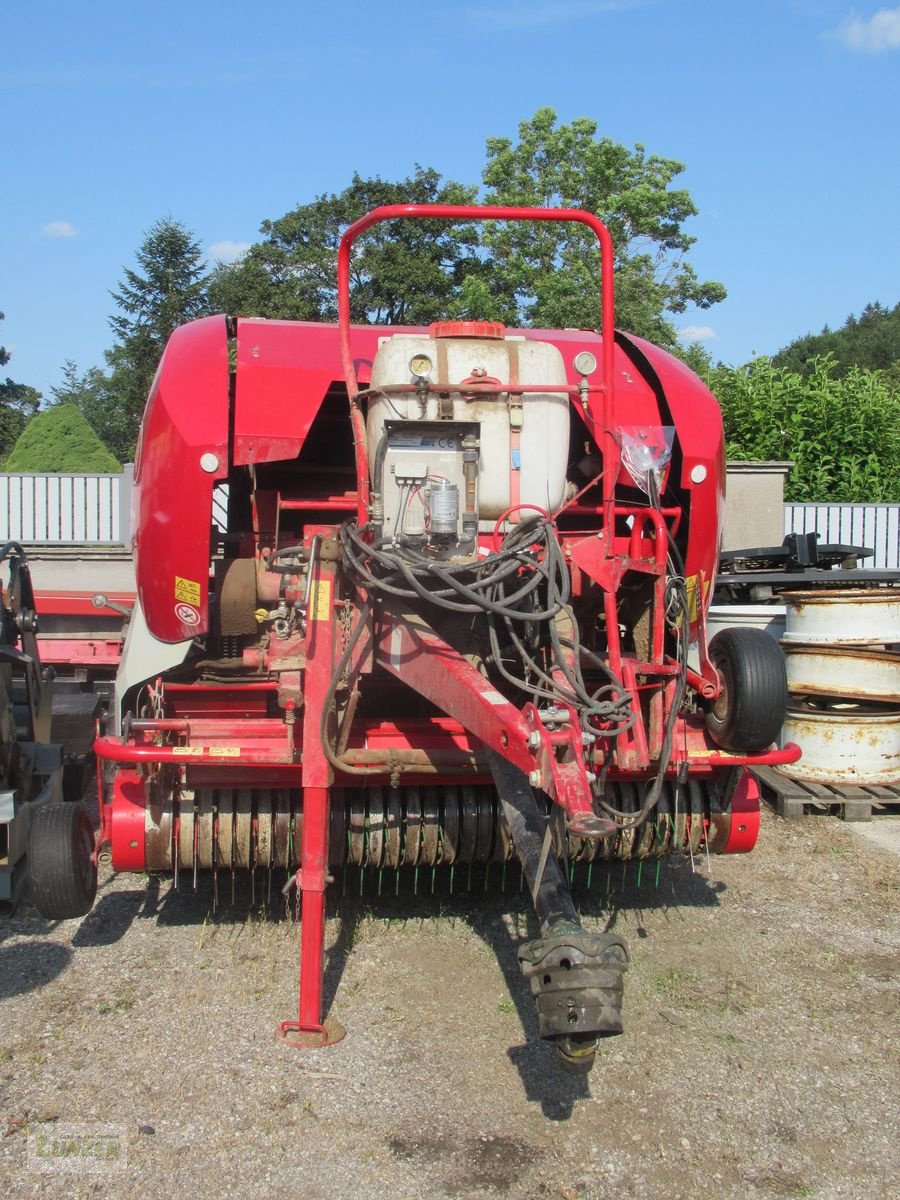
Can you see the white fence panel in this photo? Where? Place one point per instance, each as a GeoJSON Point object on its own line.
{"type": "Point", "coordinates": [61, 509]}
{"type": "Point", "coordinates": [875, 526]}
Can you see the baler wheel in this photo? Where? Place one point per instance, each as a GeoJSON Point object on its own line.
{"type": "Point", "coordinates": [61, 864]}
{"type": "Point", "coordinates": [749, 711]}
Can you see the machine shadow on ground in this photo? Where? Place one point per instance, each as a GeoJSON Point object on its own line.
{"type": "Point", "coordinates": [27, 966]}
{"type": "Point", "coordinates": [504, 918]}
{"type": "Point", "coordinates": [496, 907]}
{"type": "Point", "coordinates": [494, 904]}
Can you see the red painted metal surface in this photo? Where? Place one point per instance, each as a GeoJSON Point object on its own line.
{"type": "Point", "coordinates": [409, 649]}
{"type": "Point", "coordinates": [80, 604]}
{"type": "Point", "coordinates": [75, 632]}
{"type": "Point", "coordinates": [185, 425]}
{"type": "Point", "coordinates": [277, 361]}
{"type": "Point", "coordinates": [125, 824]}
{"type": "Point", "coordinates": [697, 419]}
{"type": "Point", "coordinates": [317, 778]}
{"type": "Point", "coordinates": [744, 816]}
{"type": "Point", "coordinates": [114, 750]}
{"type": "Point", "coordinates": [81, 652]}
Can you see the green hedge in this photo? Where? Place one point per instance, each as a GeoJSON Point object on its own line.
{"type": "Point", "coordinates": [843, 435]}
{"type": "Point", "coordinates": [59, 440]}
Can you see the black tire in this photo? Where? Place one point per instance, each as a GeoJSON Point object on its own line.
{"type": "Point", "coordinates": [61, 866]}
{"type": "Point", "coordinates": [750, 709]}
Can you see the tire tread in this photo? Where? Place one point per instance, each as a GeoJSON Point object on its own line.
{"type": "Point", "coordinates": [56, 867]}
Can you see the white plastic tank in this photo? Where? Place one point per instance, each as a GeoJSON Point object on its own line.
{"type": "Point", "coordinates": [456, 352]}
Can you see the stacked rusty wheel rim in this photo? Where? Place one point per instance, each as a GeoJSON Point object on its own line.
{"type": "Point", "coordinates": [843, 671]}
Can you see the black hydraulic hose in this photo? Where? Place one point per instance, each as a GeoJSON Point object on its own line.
{"type": "Point", "coordinates": [525, 584]}
{"type": "Point", "coordinates": [528, 827]}
{"type": "Point", "coordinates": [339, 671]}
{"type": "Point", "coordinates": [630, 820]}
{"type": "Point", "coordinates": [550, 692]}
{"type": "Point", "coordinates": [490, 573]}
{"type": "Point", "coordinates": [472, 601]}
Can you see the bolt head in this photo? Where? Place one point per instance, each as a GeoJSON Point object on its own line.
{"type": "Point", "coordinates": [535, 779]}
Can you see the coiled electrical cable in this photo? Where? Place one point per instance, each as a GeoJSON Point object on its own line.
{"type": "Point", "coordinates": [521, 589]}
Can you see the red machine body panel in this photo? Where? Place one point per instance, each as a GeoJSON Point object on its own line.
{"type": "Point", "coordinates": [284, 369]}
{"type": "Point", "coordinates": [182, 452]}
{"type": "Point", "coordinates": [696, 416]}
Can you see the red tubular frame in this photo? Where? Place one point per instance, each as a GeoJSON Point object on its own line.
{"type": "Point", "coordinates": [484, 212]}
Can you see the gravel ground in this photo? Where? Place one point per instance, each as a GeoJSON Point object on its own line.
{"type": "Point", "coordinates": [759, 1060]}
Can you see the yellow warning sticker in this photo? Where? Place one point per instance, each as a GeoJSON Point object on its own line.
{"type": "Point", "coordinates": [187, 590]}
{"type": "Point", "coordinates": [212, 751]}
{"type": "Point", "coordinates": [320, 601]}
{"type": "Point", "coordinates": [694, 591]}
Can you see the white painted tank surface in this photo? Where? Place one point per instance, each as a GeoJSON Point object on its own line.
{"type": "Point", "coordinates": [844, 744]}
{"type": "Point", "coordinates": [769, 617]}
{"type": "Point", "coordinates": [850, 673]}
{"type": "Point", "coordinates": [541, 458]}
{"type": "Point", "coordinates": [845, 617]}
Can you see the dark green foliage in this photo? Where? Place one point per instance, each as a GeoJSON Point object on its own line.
{"type": "Point", "coordinates": [413, 272]}
{"type": "Point", "coordinates": [169, 290]}
{"type": "Point", "coordinates": [18, 403]}
{"type": "Point", "coordinates": [403, 272]}
{"type": "Point", "coordinates": [80, 390]}
{"type": "Point", "coordinates": [60, 440]}
{"type": "Point", "coordinates": [696, 356]}
{"type": "Point", "coordinates": [870, 341]}
{"type": "Point", "coordinates": [842, 434]}
{"type": "Point", "coordinates": [547, 275]}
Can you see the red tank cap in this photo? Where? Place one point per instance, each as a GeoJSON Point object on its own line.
{"type": "Point", "coordinates": [467, 329]}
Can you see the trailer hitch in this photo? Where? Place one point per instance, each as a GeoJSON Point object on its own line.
{"type": "Point", "coordinates": [577, 980]}
{"type": "Point", "coordinates": [576, 977]}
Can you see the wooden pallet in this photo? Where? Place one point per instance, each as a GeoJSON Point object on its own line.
{"type": "Point", "coordinates": [792, 798]}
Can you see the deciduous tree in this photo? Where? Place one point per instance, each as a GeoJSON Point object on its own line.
{"type": "Point", "coordinates": [547, 275]}
{"type": "Point", "coordinates": [842, 434]}
{"type": "Point", "coordinates": [403, 272]}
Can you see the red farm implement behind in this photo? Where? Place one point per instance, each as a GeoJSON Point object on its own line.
{"type": "Point", "coordinates": [457, 616]}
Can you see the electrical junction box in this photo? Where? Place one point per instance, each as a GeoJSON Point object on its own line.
{"type": "Point", "coordinates": [429, 485]}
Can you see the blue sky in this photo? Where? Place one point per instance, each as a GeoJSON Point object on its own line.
{"type": "Point", "coordinates": [784, 112]}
